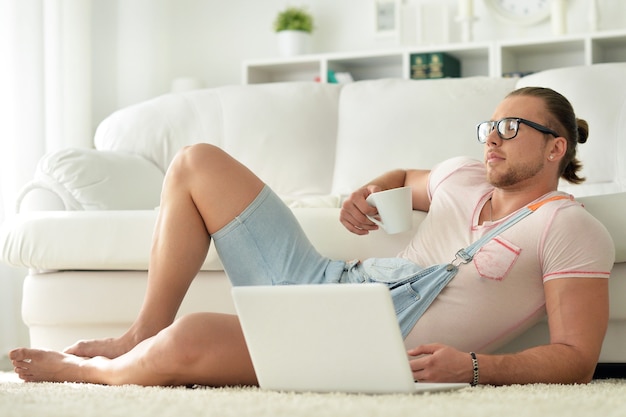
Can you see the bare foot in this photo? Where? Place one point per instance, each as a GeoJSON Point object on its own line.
{"type": "Point", "coordinates": [112, 347]}
{"type": "Point", "coordinates": [34, 365]}
{"type": "Point", "coordinates": [109, 348]}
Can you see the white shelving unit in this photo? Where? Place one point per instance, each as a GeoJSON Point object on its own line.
{"type": "Point", "coordinates": [488, 59]}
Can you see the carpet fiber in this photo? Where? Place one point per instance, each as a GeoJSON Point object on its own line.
{"type": "Point", "coordinates": [606, 398]}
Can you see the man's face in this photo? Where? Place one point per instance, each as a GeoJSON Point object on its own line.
{"type": "Point", "coordinates": [515, 162]}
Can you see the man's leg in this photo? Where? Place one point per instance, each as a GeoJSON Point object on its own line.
{"type": "Point", "coordinates": [204, 189]}
{"type": "Point", "coordinates": [202, 348]}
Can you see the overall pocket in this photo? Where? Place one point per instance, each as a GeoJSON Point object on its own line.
{"type": "Point", "coordinates": [389, 270]}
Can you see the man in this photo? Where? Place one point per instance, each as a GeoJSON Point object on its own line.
{"type": "Point", "coordinates": [555, 261]}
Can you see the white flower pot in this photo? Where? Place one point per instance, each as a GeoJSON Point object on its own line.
{"type": "Point", "coordinates": [293, 42]}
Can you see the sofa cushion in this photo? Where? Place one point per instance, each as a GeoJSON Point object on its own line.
{"type": "Point", "coordinates": [293, 125]}
{"type": "Point", "coordinates": [608, 209]}
{"type": "Point", "coordinates": [394, 123]}
{"type": "Point", "coordinates": [158, 128]}
{"type": "Point", "coordinates": [598, 94]}
{"type": "Point", "coordinates": [285, 133]}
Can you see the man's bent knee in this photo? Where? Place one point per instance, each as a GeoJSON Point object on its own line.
{"type": "Point", "coordinates": [202, 348]}
{"type": "Point", "coordinates": [219, 185]}
{"type": "Point", "coordinates": [182, 342]}
{"type": "Point", "coordinates": [196, 157]}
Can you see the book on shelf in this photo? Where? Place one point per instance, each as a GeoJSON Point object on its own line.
{"type": "Point", "coordinates": [434, 65]}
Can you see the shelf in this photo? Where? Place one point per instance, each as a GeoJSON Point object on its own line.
{"type": "Point", "coordinates": [369, 67]}
{"type": "Point", "coordinates": [608, 48]}
{"type": "Point", "coordinates": [539, 56]}
{"type": "Point", "coordinates": [284, 70]}
{"type": "Point", "coordinates": [477, 59]}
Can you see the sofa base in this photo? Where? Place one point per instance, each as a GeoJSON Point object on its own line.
{"type": "Point", "coordinates": [610, 371]}
{"type": "Point", "coordinates": [105, 303]}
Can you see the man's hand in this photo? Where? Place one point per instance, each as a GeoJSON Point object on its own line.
{"type": "Point", "coordinates": [440, 363]}
{"type": "Point", "coordinates": [578, 313]}
{"type": "Point", "coordinates": [354, 211]}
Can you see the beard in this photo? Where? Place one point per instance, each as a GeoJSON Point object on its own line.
{"type": "Point", "coordinates": [515, 175]}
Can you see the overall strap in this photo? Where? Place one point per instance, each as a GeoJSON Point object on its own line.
{"type": "Point", "coordinates": [466, 255]}
{"type": "Point", "coordinates": [538, 204]}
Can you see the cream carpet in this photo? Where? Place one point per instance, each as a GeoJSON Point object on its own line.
{"type": "Point", "coordinates": [605, 398]}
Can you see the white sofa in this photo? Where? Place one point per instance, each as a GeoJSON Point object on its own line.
{"type": "Point", "coordinates": [85, 221]}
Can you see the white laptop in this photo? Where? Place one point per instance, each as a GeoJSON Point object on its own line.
{"type": "Point", "coordinates": [327, 338]}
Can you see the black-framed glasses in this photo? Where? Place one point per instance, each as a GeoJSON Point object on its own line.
{"type": "Point", "coordinates": [507, 128]}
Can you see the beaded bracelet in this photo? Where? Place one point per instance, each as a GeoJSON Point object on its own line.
{"type": "Point", "coordinates": [475, 369]}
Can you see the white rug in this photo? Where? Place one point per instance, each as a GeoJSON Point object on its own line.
{"type": "Point", "coordinates": [605, 398]}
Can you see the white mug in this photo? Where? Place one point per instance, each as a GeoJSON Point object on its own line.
{"type": "Point", "coordinates": [395, 207]}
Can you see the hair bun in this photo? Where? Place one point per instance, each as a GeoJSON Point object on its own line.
{"type": "Point", "coordinates": [583, 130]}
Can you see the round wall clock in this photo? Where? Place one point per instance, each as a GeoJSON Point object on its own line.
{"type": "Point", "coordinates": [520, 12]}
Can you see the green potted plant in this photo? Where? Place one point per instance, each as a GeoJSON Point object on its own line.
{"type": "Point", "coordinates": [293, 27]}
{"type": "Point", "coordinates": [294, 18]}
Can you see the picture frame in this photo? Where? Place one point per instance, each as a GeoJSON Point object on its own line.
{"type": "Point", "coordinates": [387, 18]}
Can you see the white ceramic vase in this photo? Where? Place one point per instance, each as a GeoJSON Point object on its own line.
{"type": "Point", "coordinates": [293, 42]}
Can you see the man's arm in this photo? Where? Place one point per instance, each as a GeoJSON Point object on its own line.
{"type": "Point", "coordinates": [578, 312]}
{"type": "Point", "coordinates": [354, 210]}
{"type": "Point", "coordinates": [577, 317]}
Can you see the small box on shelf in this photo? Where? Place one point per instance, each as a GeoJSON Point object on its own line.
{"type": "Point", "coordinates": [434, 65]}
{"type": "Point", "coordinates": [516, 74]}
{"type": "Point", "coordinates": [339, 77]}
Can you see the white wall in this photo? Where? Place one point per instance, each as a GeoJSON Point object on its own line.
{"type": "Point", "coordinates": [140, 46]}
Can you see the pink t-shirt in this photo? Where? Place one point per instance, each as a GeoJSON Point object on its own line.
{"type": "Point", "coordinates": [500, 293]}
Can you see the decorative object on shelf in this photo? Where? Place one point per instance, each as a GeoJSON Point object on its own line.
{"type": "Point", "coordinates": [339, 77]}
{"type": "Point", "coordinates": [434, 65]}
{"type": "Point", "coordinates": [466, 18]}
{"type": "Point", "coordinates": [432, 23]}
{"type": "Point", "coordinates": [520, 12]}
{"type": "Point", "coordinates": [408, 23]}
{"type": "Point", "coordinates": [593, 16]}
{"type": "Point", "coordinates": [387, 18]}
{"type": "Point", "coordinates": [559, 17]}
{"type": "Point", "coordinates": [293, 27]}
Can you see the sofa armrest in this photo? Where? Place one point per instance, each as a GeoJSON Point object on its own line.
{"type": "Point", "coordinates": [87, 179]}
{"type": "Point", "coordinates": [78, 240]}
